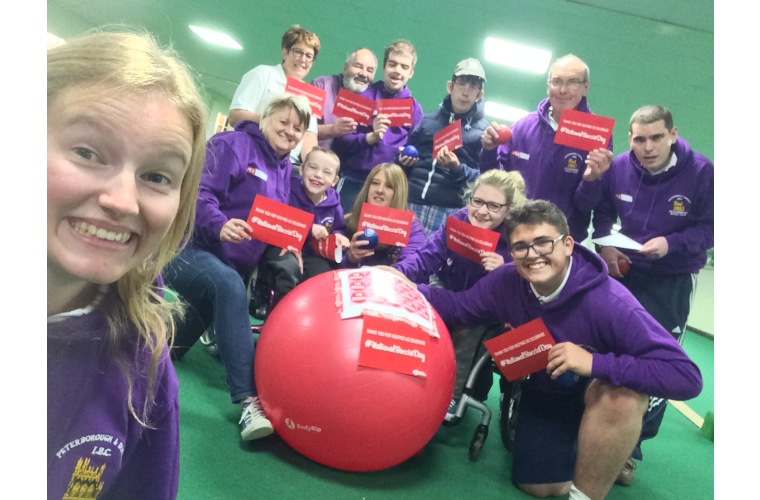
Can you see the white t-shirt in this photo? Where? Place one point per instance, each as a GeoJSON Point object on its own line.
{"type": "Point", "coordinates": [253, 94]}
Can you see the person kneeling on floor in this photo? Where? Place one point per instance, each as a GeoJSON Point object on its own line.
{"type": "Point", "coordinates": [573, 439]}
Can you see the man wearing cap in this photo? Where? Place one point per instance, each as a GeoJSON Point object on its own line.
{"type": "Point", "coordinates": [436, 183]}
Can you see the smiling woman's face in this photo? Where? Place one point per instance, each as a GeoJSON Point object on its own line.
{"type": "Point", "coordinates": [114, 171]}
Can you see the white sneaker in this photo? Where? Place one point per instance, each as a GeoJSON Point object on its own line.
{"type": "Point", "coordinates": [253, 423]}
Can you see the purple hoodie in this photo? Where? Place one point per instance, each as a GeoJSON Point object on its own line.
{"type": "Point", "coordinates": [551, 171]}
{"type": "Point", "coordinates": [455, 271]}
{"type": "Point", "coordinates": [357, 157]}
{"type": "Point", "coordinates": [593, 310]}
{"type": "Point", "coordinates": [331, 85]}
{"type": "Point", "coordinates": [328, 213]}
{"type": "Point", "coordinates": [239, 165]}
{"type": "Point", "coordinates": [94, 444]}
{"type": "Point", "coordinates": [678, 204]}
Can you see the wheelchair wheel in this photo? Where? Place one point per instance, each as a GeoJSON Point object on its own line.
{"type": "Point", "coordinates": [478, 440]}
{"type": "Point", "coordinates": [510, 401]}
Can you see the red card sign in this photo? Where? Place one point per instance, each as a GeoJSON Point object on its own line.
{"type": "Point", "coordinates": [315, 95]}
{"type": "Point", "coordinates": [279, 224]}
{"type": "Point", "coordinates": [521, 351]}
{"type": "Point", "coordinates": [468, 240]}
{"type": "Point", "coordinates": [393, 225]}
{"type": "Point", "coordinates": [450, 135]}
{"type": "Point", "coordinates": [328, 248]}
{"type": "Point", "coordinates": [393, 344]}
{"type": "Point", "coordinates": [583, 130]}
{"type": "Point", "coordinates": [352, 105]}
{"type": "Point", "coordinates": [399, 111]}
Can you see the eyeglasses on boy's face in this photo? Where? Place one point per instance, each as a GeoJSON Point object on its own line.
{"type": "Point", "coordinates": [491, 206]}
{"type": "Point", "coordinates": [543, 246]}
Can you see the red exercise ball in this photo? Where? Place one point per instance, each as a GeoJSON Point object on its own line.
{"type": "Point", "coordinates": [329, 408]}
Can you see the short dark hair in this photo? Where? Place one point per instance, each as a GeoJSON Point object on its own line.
{"type": "Point", "coordinates": [534, 212]}
{"type": "Point", "coordinates": [297, 34]}
{"type": "Point", "coordinates": [649, 114]}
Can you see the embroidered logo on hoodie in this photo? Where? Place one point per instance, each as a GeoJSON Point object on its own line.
{"type": "Point", "coordinates": [573, 160]}
{"type": "Point", "coordinates": [679, 205]}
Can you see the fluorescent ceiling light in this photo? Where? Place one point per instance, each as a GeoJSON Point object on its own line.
{"type": "Point", "coordinates": [504, 112]}
{"type": "Point", "coordinates": [516, 55]}
{"type": "Point", "coordinates": [216, 37]}
{"type": "Point", "coordinates": [54, 40]}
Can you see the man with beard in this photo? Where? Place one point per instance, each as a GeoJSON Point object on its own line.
{"type": "Point", "coordinates": [357, 74]}
{"type": "Point", "coordinates": [379, 142]}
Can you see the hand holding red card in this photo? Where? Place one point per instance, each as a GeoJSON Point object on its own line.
{"type": "Point", "coordinates": [393, 225]}
{"type": "Point", "coordinates": [450, 135]}
{"type": "Point", "coordinates": [352, 105]}
{"type": "Point", "coordinates": [399, 111]}
{"type": "Point", "coordinates": [523, 350]}
{"type": "Point", "coordinates": [582, 130]}
{"type": "Point", "coordinates": [315, 95]}
{"type": "Point", "coordinates": [468, 240]}
{"type": "Point", "coordinates": [279, 224]}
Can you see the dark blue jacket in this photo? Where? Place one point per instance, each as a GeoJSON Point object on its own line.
{"type": "Point", "coordinates": [444, 187]}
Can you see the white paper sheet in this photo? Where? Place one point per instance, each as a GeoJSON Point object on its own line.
{"type": "Point", "coordinates": [618, 240]}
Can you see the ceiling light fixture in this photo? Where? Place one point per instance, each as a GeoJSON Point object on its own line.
{"type": "Point", "coordinates": [54, 40]}
{"type": "Point", "coordinates": [516, 55]}
{"type": "Point", "coordinates": [508, 113]}
{"type": "Point", "coordinates": [216, 37]}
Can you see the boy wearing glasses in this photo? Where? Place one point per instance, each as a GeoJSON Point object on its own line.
{"type": "Point", "coordinates": [436, 184]}
{"type": "Point", "coordinates": [299, 51]}
{"type": "Point", "coordinates": [552, 171]}
{"type": "Point", "coordinates": [573, 438]}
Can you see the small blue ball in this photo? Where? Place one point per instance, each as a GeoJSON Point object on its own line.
{"type": "Point", "coordinates": [567, 379]}
{"type": "Point", "coordinates": [410, 151]}
{"type": "Point", "coordinates": [370, 235]}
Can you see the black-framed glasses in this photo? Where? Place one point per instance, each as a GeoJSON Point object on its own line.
{"type": "Point", "coordinates": [491, 206]}
{"type": "Point", "coordinates": [309, 56]}
{"type": "Point", "coordinates": [541, 247]}
{"type": "Point", "coordinates": [572, 83]}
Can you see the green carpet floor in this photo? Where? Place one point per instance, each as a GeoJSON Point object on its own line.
{"type": "Point", "coordinates": [215, 464]}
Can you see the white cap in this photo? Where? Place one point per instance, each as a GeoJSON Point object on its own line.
{"type": "Point", "coordinates": [471, 67]}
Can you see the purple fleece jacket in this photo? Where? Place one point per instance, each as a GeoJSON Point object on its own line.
{"type": "Point", "coordinates": [678, 204]}
{"type": "Point", "coordinates": [328, 213]}
{"type": "Point", "coordinates": [593, 310]}
{"type": "Point", "coordinates": [240, 164]}
{"type": "Point", "coordinates": [357, 157]}
{"type": "Point", "coordinates": [93, 443]}
{"type": "Point", "coordinates": [551, 171]}
{"type": "Point", "coordinates": [455, 271]}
